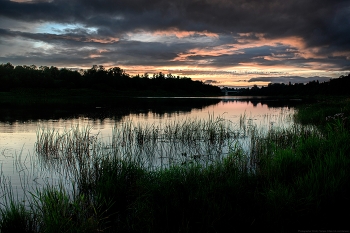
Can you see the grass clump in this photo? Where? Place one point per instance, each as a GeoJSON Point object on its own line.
{"type": "Point", "coordinates": [16, 218]}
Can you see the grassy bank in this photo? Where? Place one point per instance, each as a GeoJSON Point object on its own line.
{"type": "Point", "coordinates": [324, 111]}
{"type": "Point", "coordinates": [287, 180]}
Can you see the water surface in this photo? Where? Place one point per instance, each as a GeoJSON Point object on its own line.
{"type": "Point", "coordinates": [18, 127]}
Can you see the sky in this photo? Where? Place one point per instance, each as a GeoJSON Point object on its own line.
{"type": "Point", "coordinates": [234, 43]}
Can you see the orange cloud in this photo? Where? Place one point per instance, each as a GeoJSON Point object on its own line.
{"type": "Point", "coordinates": [296, 43]}
{"type": "Point", "coordinates": [102, 40]}
{"type": "Point", "coordinates": [183, 34]}
{"type": "Point", "coordinates": [214, 51]}
{"type": "Point", "coordinates": [342, 54]}
{"type": "Point", "coordinates": [249, 40]}
{"type": "Point", "coordinates": [99, 54]}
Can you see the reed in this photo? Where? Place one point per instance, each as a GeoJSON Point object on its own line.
{"type": "Point", "coordinates": [58, 211]}
{"type": "Point", "coordinates": [15, 217]}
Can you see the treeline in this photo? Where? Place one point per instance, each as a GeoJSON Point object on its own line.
{"type": "Point", "coordinates": [337, 86]}
{"type": "Point", "coordinates": [98, 77]}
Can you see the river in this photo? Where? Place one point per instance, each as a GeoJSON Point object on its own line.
{"type": "Point", "coordinates": [22, 169]}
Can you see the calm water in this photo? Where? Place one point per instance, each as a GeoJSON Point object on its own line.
{"type": "Point", "coordinates": [18, 127]}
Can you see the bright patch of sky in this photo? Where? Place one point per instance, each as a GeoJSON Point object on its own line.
{"type": "Point", "coordinates": [58, 28]}
{"type": "Point", "coordinates": [169, 37]}
{"type": "Point", "coordinates": [43, 46]}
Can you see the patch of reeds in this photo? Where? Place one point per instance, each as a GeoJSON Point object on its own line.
{"type": "Point", "coordinates": [50, 209]}
{"type": "Point", "coordinates": [74, 142]}
{"type": "Point", "coordinates": [170, 142]}
{"type": "Point", "coordinates": [212, 130]}
{"type": "Point", "coordinates": [58, 211]}
{"type": "Point", "coordinates": [15, 217]}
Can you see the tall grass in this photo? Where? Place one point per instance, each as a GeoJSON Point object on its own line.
{"type": "Point", "coordinates": [15, 217]}
{"type": "Point", "coordinates": [283, 180]}
{"type": "Point", "coordinates": [163, 145]}
{"type": "Point", "coordinates": [324, 111]}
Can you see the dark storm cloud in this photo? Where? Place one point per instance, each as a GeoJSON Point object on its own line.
{"type": "Point", "coordinates": [76, 37]}
{"type": "Point", "coordinates": [324, 22]}
{"type": "Point", "coordinates": [84, 48]}
{"type": "Point", "coordinates": [323, 27]}
{"type": "Point", "coordinates": [287, 79]}
{"type": "Point", "coordinates": [55, 11]}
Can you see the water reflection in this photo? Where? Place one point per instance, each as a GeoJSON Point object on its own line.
{"type": "Point", "coordinates": [19, 125]}
{"type": "Point", "coordinates": [156, 107]}
{"type": "Point", "coordinates": [145, 106]}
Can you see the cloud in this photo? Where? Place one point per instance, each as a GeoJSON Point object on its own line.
{"type": "Point", "coordinates": [211, 82]}
{"type": "Point", "coordinates": [287, 79]}
{"type": "Point", "coordinates": [205, 37]}
{"type": "Point", "coordinates": [324, 23]}
{"type": "Point", "coordinates": [79, 35]}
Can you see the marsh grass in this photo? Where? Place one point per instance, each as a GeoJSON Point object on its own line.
{"type": "Point", "coordinates": [74, 142]}
{"type": "Point", "coordinates": [58, 211]}
{"type": "Point", "coordinates": [214, 130]}
{"type": "Point", "coordinates": [324, 112]}
{"type": "Point", "coordinates": [15, 217]}
{"type": "Point", "coordinates": [306, 177]}
{"type": "Point", "coordinates": [283, 180]}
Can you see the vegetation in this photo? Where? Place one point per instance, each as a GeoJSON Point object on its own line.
{"type": "Point", "coordinates": [289, 179]}
{"type": "Point", "coordinates": [113, 82]}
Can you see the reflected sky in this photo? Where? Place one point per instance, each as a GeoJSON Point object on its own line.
{"type": "Point", "coordinates": [18, 137]}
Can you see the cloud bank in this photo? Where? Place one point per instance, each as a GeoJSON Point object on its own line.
{"type": "Point", "coordinates": [203, 38]}
{"type": "Point", "coordinates": [291, 79]}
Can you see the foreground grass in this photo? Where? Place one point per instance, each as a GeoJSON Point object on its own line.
{"type": "Point", "coordinates": [291, 179]}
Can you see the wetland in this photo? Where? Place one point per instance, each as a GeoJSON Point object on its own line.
{"type": "Point", "coordinates": [176, 164]}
